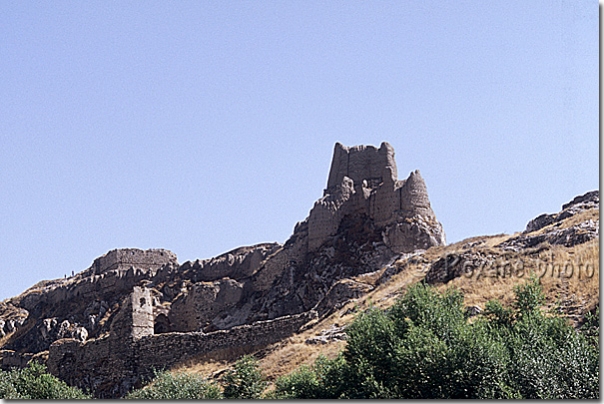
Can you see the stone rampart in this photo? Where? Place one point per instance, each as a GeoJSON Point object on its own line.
{"type": "Point", "coordinates": [360, 163]}
{"type": "Point", "coordinates": [124, 258]}
{"type": "Point", "coordinates": [166, 350]}
{"type": "Point", "coordinates": [113, 365]}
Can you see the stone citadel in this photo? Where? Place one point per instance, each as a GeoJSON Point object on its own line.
{"type": "Point", "coordinates": [132, 311]}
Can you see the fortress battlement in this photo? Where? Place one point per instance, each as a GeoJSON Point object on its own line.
{"type": "Point", "coordinates": [124, 258]}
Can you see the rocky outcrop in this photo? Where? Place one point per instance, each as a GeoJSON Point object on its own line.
{"type": "Point", "coordinates": [577, 234]}
{"type": "Point", "coordinates": [331, 334]}
{"type": "Point", "coordinates": [341, 293]}
{"type": "Point", "coordinates": [589, 200]}
{"type": "Point", "coordinates": [541, 233]}
{"type": "Point", "coordinates": [546, 227]}
{"type": "Point", "coordinates": [455, 265]}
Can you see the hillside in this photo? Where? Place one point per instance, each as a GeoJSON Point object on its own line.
{"type": "Point", "coordinates": [369, 237]}
{"type": "Point", "coordinates": [568, 269]}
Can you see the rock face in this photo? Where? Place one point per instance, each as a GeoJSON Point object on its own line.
{"type": "Point", "coordinates": [541, 233]}
{"type": "Point", "coordinates": [589, 200]}
{"type": "Point", "coordinates": [537, 230]}
{"type": "Point", "coordinates": [133, 309]}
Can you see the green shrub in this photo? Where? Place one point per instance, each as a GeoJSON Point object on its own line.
{"type": "Point", "coordinates": [35, 383]}
{"type": "Point", "coordinates": [300, 384]}
{"type": "Point", "coordinates": [529, 297]}
{"type": "Point", "coordinates": [244, 380]}
{"type": "Point", "coordinates": [425, 347]}
{"type": "Point", "coordinates": [179, 386]}
{"type": "Point", "coordinates": [591, 326]}
{"type": "Point", "coordinates": [324, 379]}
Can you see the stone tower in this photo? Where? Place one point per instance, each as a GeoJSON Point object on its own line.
{"type": "Point", "coordinates": [361, 163]}
{"type": "Point", "coordinates": [135, 318]}
{"type": "Point", "coordinates": [363, 181]}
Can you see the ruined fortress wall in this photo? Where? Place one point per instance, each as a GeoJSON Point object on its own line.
{"type": "Point", "coordinates": [414, 196]}
{"type": "Point", "coordinates": [123, 258]}
{"type": "Point", "coordinates": [371, 175]}
{"type": "Point", "coordinates": [112, 366]}
{"type": "Point", "coordinates": [385, 201]}
{"type": "Point", "coordinates": [360, 163]}
{"type": "Point", "coordinates": [323, 221]}
{"type": "Point", "coordinates": [326, 214]}
{"type": "Point", "coordinates": [166, 350]}
{"type": "Point", "coordinates": [104, 366]}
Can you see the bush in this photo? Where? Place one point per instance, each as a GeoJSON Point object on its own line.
{"type": "Point", "coordinates": [322, 380]}
{"type": "Point", "coordinates": [35, 383]}
{"type": "Point", "coordinates": [300, 384]}
{"type": "Point", "coordinates": [244, 380]}
{"type": "Point", "coordinates": [178, 386]}
{"type": "Point", "coordinates": [425, 347]}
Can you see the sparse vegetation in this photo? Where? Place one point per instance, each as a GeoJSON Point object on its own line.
{"type": "Point", "coordinates": [177, 386]}
{"type": "Point", "coordinates": [245, 380]}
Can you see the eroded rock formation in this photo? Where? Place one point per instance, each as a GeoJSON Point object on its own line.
{"type": "Point", "coordinates": [546, 227]}
{"type": "Point", "coordinates": [541, 233]}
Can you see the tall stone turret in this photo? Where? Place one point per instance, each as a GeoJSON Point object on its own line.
{"type": "Point", "coordinates": [135, 318]}
{"type": "Point", "coordinates": [361, 163]}
{"type": "Point", "coordinates": [414, 197]}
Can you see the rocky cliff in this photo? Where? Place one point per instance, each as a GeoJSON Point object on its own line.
{"type": "Point", "coordinates": [108, 319]}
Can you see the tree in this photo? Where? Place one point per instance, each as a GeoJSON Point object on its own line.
{"type": "Point", "coordinates": [425, 347]}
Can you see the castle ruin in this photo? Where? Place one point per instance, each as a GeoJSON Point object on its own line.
{"type": "Point", "coordinates": [106, 328]}
{"type": "Point", "coordinates": [363, 180]}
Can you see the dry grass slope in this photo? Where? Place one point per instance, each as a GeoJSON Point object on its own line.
{"type": "Point", "coordinates": [569, 276]}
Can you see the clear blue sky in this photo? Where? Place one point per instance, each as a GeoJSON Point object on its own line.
{"type": "Point", "coordinates": [207, 125]}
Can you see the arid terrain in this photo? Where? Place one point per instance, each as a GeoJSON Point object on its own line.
{"type": "Point", "coordinates": [362, 245]}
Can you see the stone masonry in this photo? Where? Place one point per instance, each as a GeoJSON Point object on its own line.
{"type": "Point", "coordinates": [124, 258]}
{"type": "Point", "coordinates": [112, 365]}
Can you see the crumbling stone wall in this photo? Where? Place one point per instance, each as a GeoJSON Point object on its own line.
{"type": "Point", "coordinates": [106, 365]}
{"type": "Point", "coordinates": [166, 350]}
{"type": "Point", "coordinates": [124, 258]}
{"type": "Point", "coordinates": [360, 163]}
{"type": "Point", "coordinates": [113, 365]}
{"type": "Point", "coordinates": [195, 309]}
